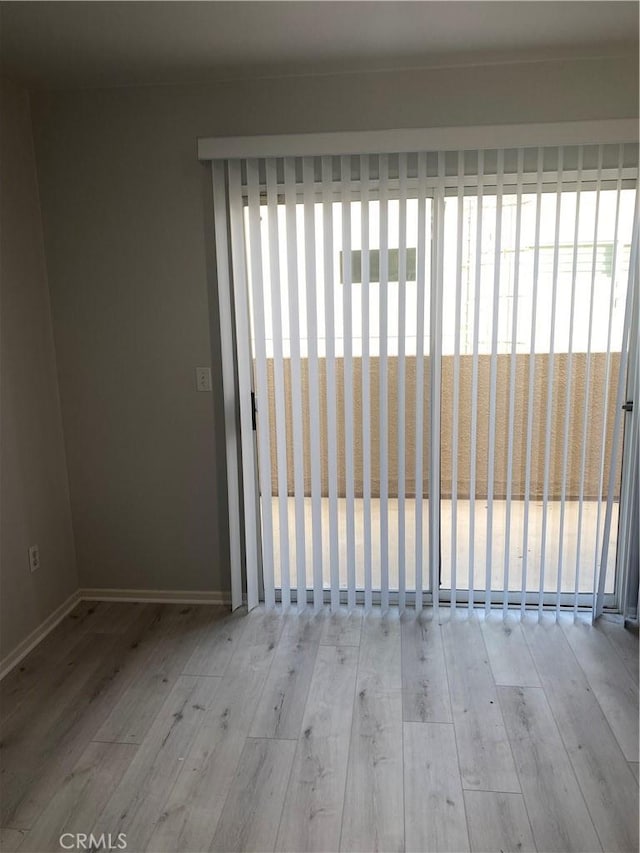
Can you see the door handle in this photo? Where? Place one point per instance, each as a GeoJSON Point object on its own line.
{"type": "Point", "coordinates": [628, 406]}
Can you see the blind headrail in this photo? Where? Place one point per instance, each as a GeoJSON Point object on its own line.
{"type": "Point", "coordinates": [420, 139]}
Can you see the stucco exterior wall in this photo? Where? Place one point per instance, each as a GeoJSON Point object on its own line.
{"type": "Point", "coordinates": [596, 407]}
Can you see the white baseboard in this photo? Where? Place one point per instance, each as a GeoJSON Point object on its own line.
{"type": "Point", "coordinates": [22, 649]}
{"type": "Point", "coordinates": [171, 596]}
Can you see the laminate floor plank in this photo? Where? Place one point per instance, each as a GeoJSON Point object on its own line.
{"type": "Point", "coordinates": [112, 617]}
{"type": "Point", "coordinates": [33, 671]}
{"type": "Point", "coordinates": [434, 813]}
{"type": "Point", "coordinates": [380, 661]}
{"type": "Point", "coordinates": [43, 761]}
{"type": "Point", "coordinates": [281, 706]}
{"type": "Point", "coordinates": [136, 804]}
{"type": "Point", "coordinates": [625, 642]}
{"type": "Point", "coordinates": [612, 686]}
{"type": "Point", "coordinates": [192, 809]}
{"type": "Point", "coordinates": [342, 628]}
{"type": "Point", "coordinates": [498, 822]}
{"type": "Point", "coordinates": [509, 655]}
{"type": "Point", "coordinates": [171, 640]}
{"type": "Point", "coordinates": [46, 671]}
{"type": "Point", "coordinates": [374, 803]}
{"type": "Point", "coordinates": [312, 813]}
{"type": "Point", "coordinates": [68, 631]}
{"type": "Point", "coordinates": [63, 639]}
{"type": "Point", "coordinates": [41, 741]}
{"type": "Point", "coordinates": [601, 769]}
{"type": "Point", "coordinates": [11, 839]}
{"type": "Point", "coordinates": [221, 633]}
{"type": "Point", "coordinates": [486, 762]}
{"type": "Point", "coordinates": [425, 689]}
{"type": "Point", "coordinates": [559, 817]}
{"type": "Point", "coordinates": [81, 797]}
{"type": "Point", "coordinates": [251, 814]}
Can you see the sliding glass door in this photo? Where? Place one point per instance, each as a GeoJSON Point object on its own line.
{"type": "Point", "coordinates": [430, 348]}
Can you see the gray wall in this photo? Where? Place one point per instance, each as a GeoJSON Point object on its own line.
{"type": "Point", "coordinates": [124, 203]}
{"type": "Point", "coordinates": [34, 492]}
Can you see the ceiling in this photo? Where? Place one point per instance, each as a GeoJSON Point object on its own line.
{"type": "Point", "coordinates": [99, 44]}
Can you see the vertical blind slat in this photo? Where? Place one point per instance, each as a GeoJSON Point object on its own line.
{"type": "Point", "coordinates": [264, 449]}
{"type": "Point", "coordinates": [366, 383]}
{"type": "Point", "coordinates": [617, 426]}
{"type": "Point", "coordinates": [456, 382]}
{"type": "Point", "coordinates": [493, 386]}
{"type": "Point", "coordinates": [549, 400]}
{"type": "Point", "coordinates": [585, 409]}
{"type": "Point", "coordinates": [532, 377]}
{"type": "Point", "coordinates": [421, 285]}
{"type": "Point", "coordinates": [435, 327]}
{"type": "Point", "coordinates": [628, 439]}
{"type": "Point", "coordinates": [312, 367]}
{"type": "Point", "coordinates": [599, 576]}
{"type": "Point", "coordinates": [240, 288]}
{"type": "Point", "coordinates": [296, 379]}
{"type": "Point", "coordinates": [384, 389]}
{"type": "Point", "coordinates": [332, 418]}
{"type": "Point", "coordinates": [567, 409]}
{"type": "Point", "coordinates": [474, 380]}
{"type": "Point", "coordinates": [278, 383]}
{"type": "Point", "coordinates": [512, 384]}
{"type": "Point", "coordinates": [402, 298]}
{"type": "Point", "coordinates": [221, 225]}
{"type": "Point", "coordinates": [345, 169]}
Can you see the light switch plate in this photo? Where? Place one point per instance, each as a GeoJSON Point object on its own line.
{"type": "Point", "coordinates": [203, 378]}
{"type": "Point", "coordinates": [34, 557]}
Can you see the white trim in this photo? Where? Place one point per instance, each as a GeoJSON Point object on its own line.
{"type": "Point", "coordinates": [14, 657]}
{"type": "Point", "coordinates": [419, 139]}
{"type": "Point", "coordinates": [166, 596]}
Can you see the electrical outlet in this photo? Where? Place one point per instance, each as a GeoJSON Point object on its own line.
{"type": "Point", "coordinates": [34, 557]}
{"type": "Point", "coordinates": [203, 378]}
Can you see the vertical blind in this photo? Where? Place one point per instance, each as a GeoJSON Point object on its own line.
{"type": "Point", "coordinates": [436, 344]}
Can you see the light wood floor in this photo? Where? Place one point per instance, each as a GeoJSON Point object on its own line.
{"type": "Point", "coordinates": [191, 729]}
